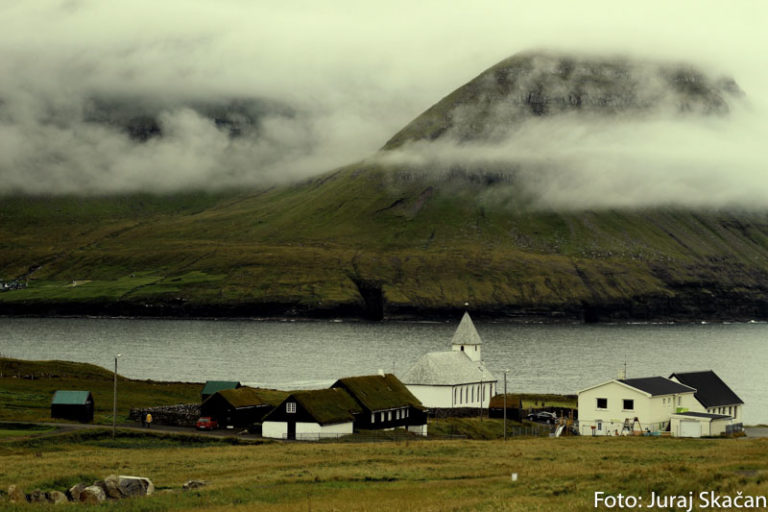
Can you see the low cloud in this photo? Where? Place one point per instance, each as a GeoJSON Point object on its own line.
{"type": "Point", "coordinates": [346, 77]}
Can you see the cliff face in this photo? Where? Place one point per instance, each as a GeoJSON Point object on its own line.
{"type": "Point", "coordinates": [531, 85]}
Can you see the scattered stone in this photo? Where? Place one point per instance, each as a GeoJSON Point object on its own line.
{"type": "Point", "coordinates": [56, 497]}
{"type": "Point", "coordinates": [15, 494]}
{"type": "Point", "coordinates": [194, 484]}
{"type": "Point", "coordinates": [36, 496]}
{"type": "Point", "coordinates": [135, 485]}
{"type": "Point", "coordinates": [74, 492]}
{"type": "Point", "coordinates": [93, 495]}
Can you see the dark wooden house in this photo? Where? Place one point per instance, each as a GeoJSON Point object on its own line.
{"type": "Point", "coordinates": [240, 407]}
{"type": "Point", "coordinates": [514, 407]}
{"type": "Point", "coordinates": [212, 386]}
{"type": "Point", "coordinates": [312, 415]}
{"type": "Point", "coordinates": [73, 405]}
{"type": "Point", "coordinates": [385, 403]}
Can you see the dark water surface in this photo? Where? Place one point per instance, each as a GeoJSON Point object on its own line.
{"type": "Point", "coordinates": [293, 355]}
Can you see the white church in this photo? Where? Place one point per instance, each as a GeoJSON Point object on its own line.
{"type": "Point", "coordinates": [457, 378]}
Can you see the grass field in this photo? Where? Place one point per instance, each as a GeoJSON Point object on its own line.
{"type": "Point", "coordinates": [553, 474]}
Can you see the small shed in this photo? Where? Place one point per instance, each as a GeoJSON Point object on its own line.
{"type": "Point", "coordinates": [73, 405]}
{"type": "Point", "coordinates": [239, 407]}
{"type": "Point", "coordinates": [212, 386]}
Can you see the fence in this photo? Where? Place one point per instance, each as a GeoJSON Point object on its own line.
{"type": "Point", "coordinates": [734, 429]}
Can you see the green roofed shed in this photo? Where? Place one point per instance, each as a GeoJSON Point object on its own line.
{"type": "Point", "coordinates": [72, 405]}
{"type": "Point", "coordinates": [213, 386]}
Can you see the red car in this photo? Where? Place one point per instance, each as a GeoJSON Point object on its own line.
{"type": "Point", "coordinates": [206, 423]}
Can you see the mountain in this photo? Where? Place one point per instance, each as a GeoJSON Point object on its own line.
{"type": "Point", "coordinates": [407, 235]}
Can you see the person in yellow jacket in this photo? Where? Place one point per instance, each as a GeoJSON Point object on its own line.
{"type": "Point", "coordinates": [149, 420]}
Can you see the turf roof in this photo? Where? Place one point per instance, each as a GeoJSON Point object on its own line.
{"type": "Point", "coordinates": [379, 392]}
{"type": "Point", "coordinates": [327, 406]}
{"type": "Point", "coordinates": [249, 397]}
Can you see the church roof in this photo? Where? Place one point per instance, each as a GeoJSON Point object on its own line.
{"type": "Point", "coordinates": [466, 334]}
{"type": "Point", "coordinates": [446, 369]}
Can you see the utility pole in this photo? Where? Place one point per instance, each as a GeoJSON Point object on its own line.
{"type": "Point", "coordinates": [114, 401]}
{"type": "Point", "coordinates": [505, 404]}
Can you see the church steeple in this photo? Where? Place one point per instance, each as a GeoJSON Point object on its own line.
{"type": "Point", "coordinates": [467, 340]}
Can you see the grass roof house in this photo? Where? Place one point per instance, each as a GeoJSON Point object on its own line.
{"type": "Point", "coordinates": [312, 415]}
{"type": "Point", "coordinates": [385, 402]}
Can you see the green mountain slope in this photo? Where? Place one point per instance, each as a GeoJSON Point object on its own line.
{"type": "Point", "coordinates": [381, 239]}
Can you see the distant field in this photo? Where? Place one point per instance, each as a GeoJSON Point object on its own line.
{"type": "Point", "coordinates": [553, 473]}
{"type": "Point", "coordinates": [27, 387]}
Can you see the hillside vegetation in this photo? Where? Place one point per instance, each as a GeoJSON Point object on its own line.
{"type": "Point", "coordinates": [384, 238]}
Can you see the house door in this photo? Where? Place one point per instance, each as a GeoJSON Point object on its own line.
{"type": "Point", "coordinates": [291, 430]}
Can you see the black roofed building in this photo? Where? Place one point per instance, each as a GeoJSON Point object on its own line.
{"type": "Point", "coordinates": [712, 393]}
{"type": "Point", "coordinates": [73, 405]}
{"type": "Point", "coordinates": [385, 403]}
{"type": "Point", "coordinates": [632, 406]}
{"type": "Point", "coordinates": [313, 415]}
{"type": "Point", "coordinates": [239, 407]}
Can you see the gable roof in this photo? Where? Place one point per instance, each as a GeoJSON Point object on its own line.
{"type": "Point", "coordinates": [247, 397]}
{"type": "Point", "coordinates": [466, 334]}
{"type": "Point", "coordinates": [327, 406]}
{"type": "Point", "coordinates": [711, 391]}
{"type": "Point", "coordinates": [212, 386]}
{"type": "Point", "coordinates": [378, 392]}
{"type": "Point", "coordinates": [657, 386]}
{"type": "Point", "coordinates": [70, 397]}
{"type": "Point", "coordinates": [447, 369]}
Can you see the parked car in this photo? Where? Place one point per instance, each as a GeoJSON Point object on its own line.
{"type": "Point", "coordinates": [542, 417]}
{"type": "Point", "coordinates": [206, 423]}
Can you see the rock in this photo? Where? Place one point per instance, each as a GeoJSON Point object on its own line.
{"type": "Point", "coordinates": [93, 495]}
{"type": "Point", "coordinates": [36, 496]}
{"type": "Point", "coordinates": [74, 492]}
{"type": "Point", "coordinates": [135, 485]}
{"type": "Point", "coordinates": [112, 485]}
{"type": "Point", "coordinates": [15, 495]}
{"type": "Point", "coordinates": [194, 484]}
{"type": "Point", "coordinates": [56, 497]}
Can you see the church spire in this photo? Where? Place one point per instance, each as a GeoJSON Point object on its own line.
{"type": "Point", "coordinates": [467, 340]}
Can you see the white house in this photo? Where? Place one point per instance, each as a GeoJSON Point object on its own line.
{"type": "Point", "coordinates": [622, 406]}
{"type": "Point", "coordinates": [457, 378]}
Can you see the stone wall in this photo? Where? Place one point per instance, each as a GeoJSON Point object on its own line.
{"type": "Point", "coordinates": [182, 415]}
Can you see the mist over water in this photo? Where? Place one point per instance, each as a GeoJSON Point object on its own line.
{"type": "Point", "coordinates": [304, 355]}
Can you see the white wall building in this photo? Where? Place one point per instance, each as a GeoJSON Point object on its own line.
{"type": "Point", "coordinates": [457, 378]}
{"type": "Point", "coordinates": [628, 405]}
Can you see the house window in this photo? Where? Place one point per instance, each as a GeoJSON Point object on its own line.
{"type": "Point", "coordinates": [290, 407]}
{"type": "Point", "coordinates": [473, 394]}
{"type": "Point", "coordinates": [382, 416]}
{"type": "Point", "coordinates": [389, 416]}
{"type": "Point", "coordinates": [407, 413]}
{"type": "Point", "coordinates": [599, 424]}
{"type": "Point", "coordinates": [628, 405]}
{"type": "Point", "coordinates": [397, 414]}
{"type": "Point", "coordinates": [602, 403]}
{"type": "Point", "coordinates": [679, 400]}
{"type": "Point", "coordinates": [373, 418]}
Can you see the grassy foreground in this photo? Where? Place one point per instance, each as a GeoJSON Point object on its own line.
{"type": "Point", "coordinates": [553, 474]}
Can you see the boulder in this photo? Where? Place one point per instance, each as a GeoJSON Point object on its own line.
{"type": "Point", "coordinates": [112, 485]}
{"type": "Point", "coordinates": [36, 496]}
{"type": "Point", "coordinates": [56, 497]}
{"type": "Point", "coordinates": [74, 492]}
{"type": "Point", "coordinates": [135, 485]}
{"type": "Point", "coordinates": [93, 495]}
{"type": "Point", "coordinates": [15, 495]}
{"type": "Point", "coordinates": [194, 484]}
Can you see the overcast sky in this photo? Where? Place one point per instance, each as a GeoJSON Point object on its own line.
{"type": "Point", "coordinates": [354, 73]}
